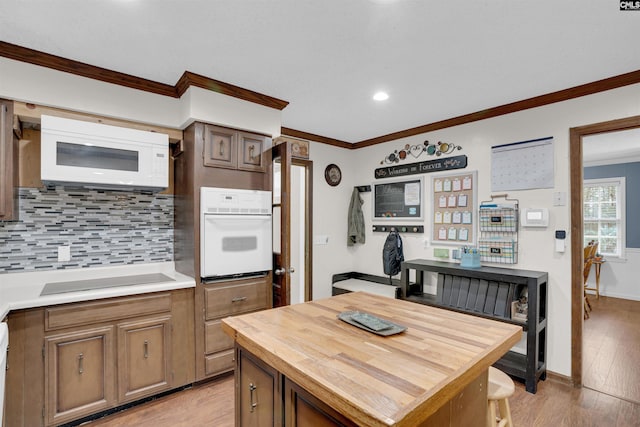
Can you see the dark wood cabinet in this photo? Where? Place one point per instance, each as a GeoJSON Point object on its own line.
{"type": "Point", "coordinates": [73, 360]}
{"type": "Point", "coordinates": [8, 164]}
{"type": "Point", "coordinates": [225, 298]}
{"type": "Point", "coordinates": [220, 147]}
{"type": "Point", "coordinates": [214, 156]}
{"type": "Point", "coordinates": [250, 148]}
{"type": "Point", "coordinates": [258, 392]}
{"type": "Point", "coordinates": [144, 358]}
{"type": "Point", "coordinates": [79, 370]}
{"type": "Point", "coordinates": [301, 408]}
{"type": "Point", "coordinates": [232, 149]}
{"type": "Point", "coordinates": [489, 292]}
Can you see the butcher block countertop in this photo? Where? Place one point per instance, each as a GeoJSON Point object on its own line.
{"type": "Point", "coordinates": [397, 380]}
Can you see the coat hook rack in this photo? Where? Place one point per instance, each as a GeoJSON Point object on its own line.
{"type": "Point", "coordinates": [399, 228]}
{"type": "Point", "coordinates": [363, 188]}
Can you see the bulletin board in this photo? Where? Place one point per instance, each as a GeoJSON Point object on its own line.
{"type": "Point", "coordinates": [398, 199]}
{"type": "Point", "coordinates": [453, 201]}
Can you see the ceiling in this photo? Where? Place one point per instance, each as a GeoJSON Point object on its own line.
{"type": "Point", "coordinates": [436, 59]}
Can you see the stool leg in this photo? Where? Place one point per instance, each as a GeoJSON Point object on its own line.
{"type": "Point", "coordinates": [491, 414]}
{"type": "Point", "coordinates": [505, 412]}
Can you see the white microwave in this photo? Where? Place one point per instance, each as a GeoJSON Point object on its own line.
{"type": "Point", "coordinates": [103, 156]}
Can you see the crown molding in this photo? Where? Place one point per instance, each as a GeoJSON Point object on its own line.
{"type": "Point", "coordinates": [191, 79]}
{"type": "Point", "coordinates": [188, 79]}
{"type": "Point", "coordinates": [315, 138]}
{"type": "Point", "coordinates": [59, 63]}
{"type": "Point", "coordinates": [537, 101]}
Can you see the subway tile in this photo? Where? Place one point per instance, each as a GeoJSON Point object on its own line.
{"type": "Point", "coordinates": [102, 228]}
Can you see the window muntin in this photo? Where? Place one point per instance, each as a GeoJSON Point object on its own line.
{"type": "Point", "coordinates": [603, 215]}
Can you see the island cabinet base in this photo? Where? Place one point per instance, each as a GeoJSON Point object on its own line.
{"type": "Point", "coordinates": [261, 393]}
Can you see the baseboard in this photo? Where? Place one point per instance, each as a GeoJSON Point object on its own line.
{"type": "Point", "coordinates": [559, 378]}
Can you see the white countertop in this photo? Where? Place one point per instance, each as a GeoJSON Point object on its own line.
{"type": "Point", "coordinates": [22, 290]}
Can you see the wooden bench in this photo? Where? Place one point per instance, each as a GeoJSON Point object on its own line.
{"type": "Point", "coordinates": [353, 282]}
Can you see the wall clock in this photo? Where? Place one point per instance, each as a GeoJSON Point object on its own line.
{"type": "Point", "coordinates": [332, 175]}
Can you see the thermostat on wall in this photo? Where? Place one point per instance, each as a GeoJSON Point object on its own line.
{"type": "Point", "coordinates": [535, 217]}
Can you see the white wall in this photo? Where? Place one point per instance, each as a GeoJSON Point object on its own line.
{"type": "Point", "coordinates": [44, 86]}
{"type": "Point", "coordinates": [619, 277]}
{"type": "Point", "coordinates": [536, 247]}
{"type": "Point", "coordinates": [330, 205]}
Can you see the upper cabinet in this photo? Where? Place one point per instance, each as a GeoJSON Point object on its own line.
{"type": "Point", "coordinates": [8, 164]}
{"type": "Point", "coordinates": [232, 149]}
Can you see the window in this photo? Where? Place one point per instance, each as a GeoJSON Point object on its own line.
{"type": "Point", "coordinates": [603, 214]}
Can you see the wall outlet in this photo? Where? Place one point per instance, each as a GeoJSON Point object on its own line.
{"type": "Point", "coordinates": [64, 253]}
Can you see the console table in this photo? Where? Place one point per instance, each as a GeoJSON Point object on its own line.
{"type": "Point", "coordinates": [489, 292]}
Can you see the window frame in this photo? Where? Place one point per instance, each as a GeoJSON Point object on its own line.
{"type": "Point", "coordinates": [620, 182]}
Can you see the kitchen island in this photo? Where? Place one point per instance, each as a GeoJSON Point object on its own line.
{"type": "Point", "coordinates": [302, 365]}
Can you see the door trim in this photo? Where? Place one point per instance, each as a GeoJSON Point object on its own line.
{"type": "Point", "coordinates": [576, 178]}
{"type": "Point", "coordinates": [308, 229]}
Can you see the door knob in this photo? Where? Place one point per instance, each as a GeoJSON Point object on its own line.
{"type": "Point", "coordinates": [281, 271]}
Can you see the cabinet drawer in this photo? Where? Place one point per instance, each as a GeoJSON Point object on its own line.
{"type": "Point", "coordinates": [249, 295]}
{"type": "Point", "coordinates": [215, 338]}
{"type": "Point", "coordinates": [105, 310]}
{"type": "Point", "coordinates": [219, 362]}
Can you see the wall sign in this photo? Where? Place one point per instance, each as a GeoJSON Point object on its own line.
{"type": "Point", "coordinates": [438, 165]}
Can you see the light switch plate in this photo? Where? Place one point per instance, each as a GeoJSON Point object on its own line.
{"type": "Point", "coordinates": [559, 198]}
{"type": "Point", "coordinates": [320, 240]}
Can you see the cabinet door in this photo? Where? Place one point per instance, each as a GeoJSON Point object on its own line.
{"type": "Point", "coordinates": [8, 163]}
{"type": "Point", "coordinates": [250, 152]}
{"type": "Point", "coordinates": [257, 394]}
{"type": "Point", "coordinates": [144, 358]}
{"type": "Point", "coordinates": [303, 409]}
{"type": "Point", "coordinates": [79, 374]}
{"type": "Point", "coordinates": [220, 147]}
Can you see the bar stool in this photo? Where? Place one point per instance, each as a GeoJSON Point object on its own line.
{"type": "Point", "coordinates": [500, 388]}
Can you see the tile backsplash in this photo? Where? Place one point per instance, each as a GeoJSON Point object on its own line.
{"type": "Point", "coordinates": [102, 228]}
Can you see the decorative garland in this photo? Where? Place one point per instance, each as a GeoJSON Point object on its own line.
{"type": "Point", "coordinates": [417, 150]}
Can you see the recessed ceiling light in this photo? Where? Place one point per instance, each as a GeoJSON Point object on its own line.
{"type": "Point", "coordinates": [381, 96]}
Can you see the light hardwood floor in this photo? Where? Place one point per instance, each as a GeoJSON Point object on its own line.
{"type": "Point", "coordinates": [612, 364]}
{"type": "Point", "coordinates": [554, 405]}
{"type": "Point", "coordinates": [612, 347]}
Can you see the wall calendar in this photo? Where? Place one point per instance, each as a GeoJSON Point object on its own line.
{"type": "Point", "coordinates": [522, 165]}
